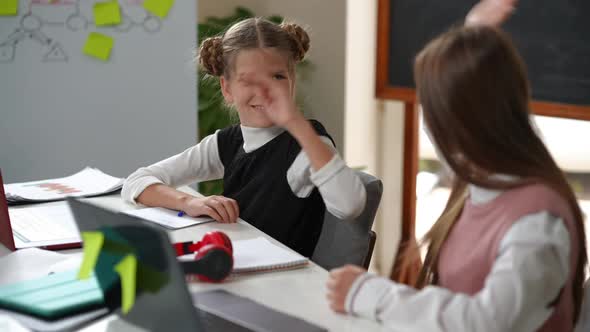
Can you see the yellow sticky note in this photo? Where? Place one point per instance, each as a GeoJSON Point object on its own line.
{"type": "Point", "coordinates": [98, 46]}
{"type": "Point", "coordinates": [159, 8]}
{"type": "Point", "coordinates": [93, 242]}
{"type": "Point", "coordinates": [127, 269]}
{"type": "Point", "coordinates": [107, 13]}
{"type": "Point", "coordinates": [8, 7]}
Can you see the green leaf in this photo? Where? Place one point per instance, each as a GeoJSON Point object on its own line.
{"type": "Point", "coordinates": [214, 187]}
{"type": "Point", "coordinates": [275, 19]}
{"type": "Point", "coordinates": [242, 12]}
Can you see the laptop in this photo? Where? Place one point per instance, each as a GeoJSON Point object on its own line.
{"type": "Point", "coordinates": [49, 227]}
{"type": "Point", "coordinates": [172, 307]}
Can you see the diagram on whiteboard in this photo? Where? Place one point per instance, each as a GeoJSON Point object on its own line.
{"type": "Point", "coordinates": [78, 16]}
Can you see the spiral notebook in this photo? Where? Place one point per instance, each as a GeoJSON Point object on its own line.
{"type": "Point", "coordinates": [259, 255]}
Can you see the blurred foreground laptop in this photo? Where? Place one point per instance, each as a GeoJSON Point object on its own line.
{"type": "Point", "coordinates": [44, 226]}
{"type": "Point", "coordinates": [172, 307]}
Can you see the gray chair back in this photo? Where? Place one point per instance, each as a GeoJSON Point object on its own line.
{"type": "Point", "coordinates": [349, 241]}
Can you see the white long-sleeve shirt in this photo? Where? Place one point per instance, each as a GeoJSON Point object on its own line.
{"type": "Point", "coordinates": [341, 189]}
{"type": "Point", "coordinates": [531, 267]}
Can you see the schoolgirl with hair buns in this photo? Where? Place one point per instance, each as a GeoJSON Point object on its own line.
{"type": "Point", "coordinates": [280, 171]}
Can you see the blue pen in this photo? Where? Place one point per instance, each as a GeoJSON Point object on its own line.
{"type": "Point", "coordinates": [181, 213]}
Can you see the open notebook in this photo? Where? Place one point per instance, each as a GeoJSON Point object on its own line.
{"type": "Point", "coordinates": [261, 255]}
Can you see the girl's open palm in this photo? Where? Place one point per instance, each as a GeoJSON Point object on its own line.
{"type": "Point", "coordinates": [279, 105]}
{"type": "Point", "coordinates": [490, 12]}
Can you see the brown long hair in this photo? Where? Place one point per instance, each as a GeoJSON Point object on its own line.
{"type": "Point", "coordinates": [474, 92]}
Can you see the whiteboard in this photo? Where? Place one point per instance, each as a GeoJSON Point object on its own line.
{"type": "Point", "coordinates": [61, 110]}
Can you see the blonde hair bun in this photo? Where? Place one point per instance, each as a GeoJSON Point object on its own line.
{"type": "Point", "coordinates": [211, 56]}
{"type": "Point", "coordinates": [300, 39]}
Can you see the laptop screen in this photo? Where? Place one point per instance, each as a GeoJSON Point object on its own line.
{"type": "Point", "coordinates": [167, 305]}
{"type": "Point", "coordinates": [160, 306]}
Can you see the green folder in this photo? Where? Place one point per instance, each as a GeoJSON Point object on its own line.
{"type": "Point", "coordinates": [54, 296]}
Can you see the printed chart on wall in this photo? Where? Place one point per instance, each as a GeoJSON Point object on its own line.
{"type": "Point", "coordinates": [33, 18]}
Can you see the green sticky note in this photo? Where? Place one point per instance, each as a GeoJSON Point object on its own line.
{"type": "Point", "coordinates": [159, 8]}
{"type": "Point", "coordinates": [8, 7]}
{"type": "Point", "coordinates": [107, 13]}
{"type": "Point", "coordinates": [127, 269]}
{"type": "Point", "coordinates": [93, 242]}
{"type": "Point", "coordinates": [98, 46]}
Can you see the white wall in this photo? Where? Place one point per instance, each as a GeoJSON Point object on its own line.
{"type": "Point", "coordinates": [323, 92]}
{"type": "Point", "coordinates": [373, 129]}
{"type": "Point", "coordinates": [390, 157]}
{"type": "Point", "coordinates": [361, 107]}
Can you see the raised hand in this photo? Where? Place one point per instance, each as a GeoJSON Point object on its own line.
{"type": "Point", "coordinates": [220, 208]}
{"type": "Point", "coordinates": [279, 105]}
{"type": "Point", "coordinates": [490, 12]}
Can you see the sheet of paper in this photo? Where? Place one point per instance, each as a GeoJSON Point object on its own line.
{"type": "Point", "coordinates": [26, 264]}
{"type": "Point", "coordinates": [159, 8]}
{"type": "Point", "coordinates": [87, 182]}
{"type": "Point", "coordinates": [167, 218]}
{"type": "Point", "coordinates": [8, 7]}
{"type": "Point", "coordinates": [73, 262]}
{"type": "Point", "coordinates": [106, 13]}
{"type": "Point", "coordinates": [72, 323]}
{"type": "Point", "coordinates": [99, 46]}
{"type": "Point", "coordinates": [9, 324]}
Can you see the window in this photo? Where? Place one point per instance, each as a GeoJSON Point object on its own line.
{"type": "Point", "coordinates": [567, 140]}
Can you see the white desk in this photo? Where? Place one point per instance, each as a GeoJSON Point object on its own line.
{"type": "Point", "coordinates": [300, 292]}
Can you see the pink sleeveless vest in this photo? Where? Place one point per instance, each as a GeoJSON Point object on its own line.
{"type": "Point", "coordinates": [467, 256]}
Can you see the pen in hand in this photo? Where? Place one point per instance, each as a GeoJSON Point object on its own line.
{"type": "Point", "coordinates": [180, 213]}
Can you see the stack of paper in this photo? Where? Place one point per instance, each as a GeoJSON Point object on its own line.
{"type": "Point", "coordinates": [88, 182]}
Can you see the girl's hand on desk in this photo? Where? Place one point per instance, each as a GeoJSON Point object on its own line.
{"type": "Point", "coordinates": [339, 282]}
{"type": "Point", "coordinates": [220, 208]}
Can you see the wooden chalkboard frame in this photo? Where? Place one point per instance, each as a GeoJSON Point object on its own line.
{"type": "Point", "coordinates": [386, 91]}
{"type": "Point", "coordinates": [402, 270]}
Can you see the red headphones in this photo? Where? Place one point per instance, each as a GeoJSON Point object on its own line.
{"type": "Point", "coordinates": [213, 257]}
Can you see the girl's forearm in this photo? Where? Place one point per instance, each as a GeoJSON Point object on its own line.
{"type": "Point", "coordinates": [163, 196]}
{"type": "Point", "coordinates": [317, 151]}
